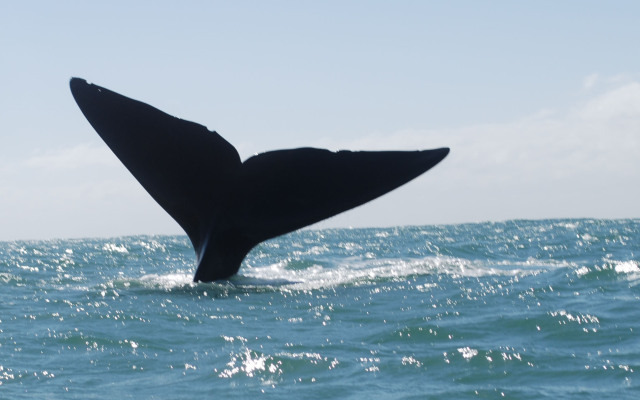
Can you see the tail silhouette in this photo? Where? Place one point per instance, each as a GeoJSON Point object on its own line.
{"type": "Point", "coordinates": [227, 206]}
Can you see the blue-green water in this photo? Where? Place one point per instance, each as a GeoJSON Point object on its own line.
{"type": "Point", "coordinates": [516, 310]}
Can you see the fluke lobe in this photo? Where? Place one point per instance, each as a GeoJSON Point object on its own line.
{"type": "Point", "coordinates": [227, 206]}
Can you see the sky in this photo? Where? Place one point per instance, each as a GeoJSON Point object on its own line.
{"type": "Point", "coordinates": [538, 101]}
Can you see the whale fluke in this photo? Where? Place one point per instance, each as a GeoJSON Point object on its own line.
{"type": "Point", "coordinates": [226, 206]}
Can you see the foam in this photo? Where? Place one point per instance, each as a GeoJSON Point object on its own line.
{"type": "Point", "coordinates": [355, 272]}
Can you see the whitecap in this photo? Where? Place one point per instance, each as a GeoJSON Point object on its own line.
{"type": "Point", "coordinates": [627, 267]}
{"type": "Point", "coordinates": [168, 281]}
{"type": "Point", "coordinates": [630, 270]}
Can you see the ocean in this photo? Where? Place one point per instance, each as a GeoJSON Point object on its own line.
{"type": "Point", "coordinates": [521, 309]}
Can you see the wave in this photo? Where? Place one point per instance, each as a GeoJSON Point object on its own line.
{"type": "Point", "coordinates": [628, 270]}
{"type": "Point", "coordinates": [295, 274]}
{"type": "Point", "coordinates": [359, 272]}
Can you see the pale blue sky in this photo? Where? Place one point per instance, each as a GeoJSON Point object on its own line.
{"type": "Point", "coordinates": [539, 101]}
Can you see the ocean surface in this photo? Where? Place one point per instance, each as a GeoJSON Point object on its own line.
{"type": "Point", "coordinates": [508, 310]}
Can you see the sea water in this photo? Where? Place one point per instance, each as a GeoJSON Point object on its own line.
{"type": "Point", "coordinates": [515, 310]}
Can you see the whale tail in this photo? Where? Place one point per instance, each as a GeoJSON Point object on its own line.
{"type": "Point", "coordinates": [226, 206]}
